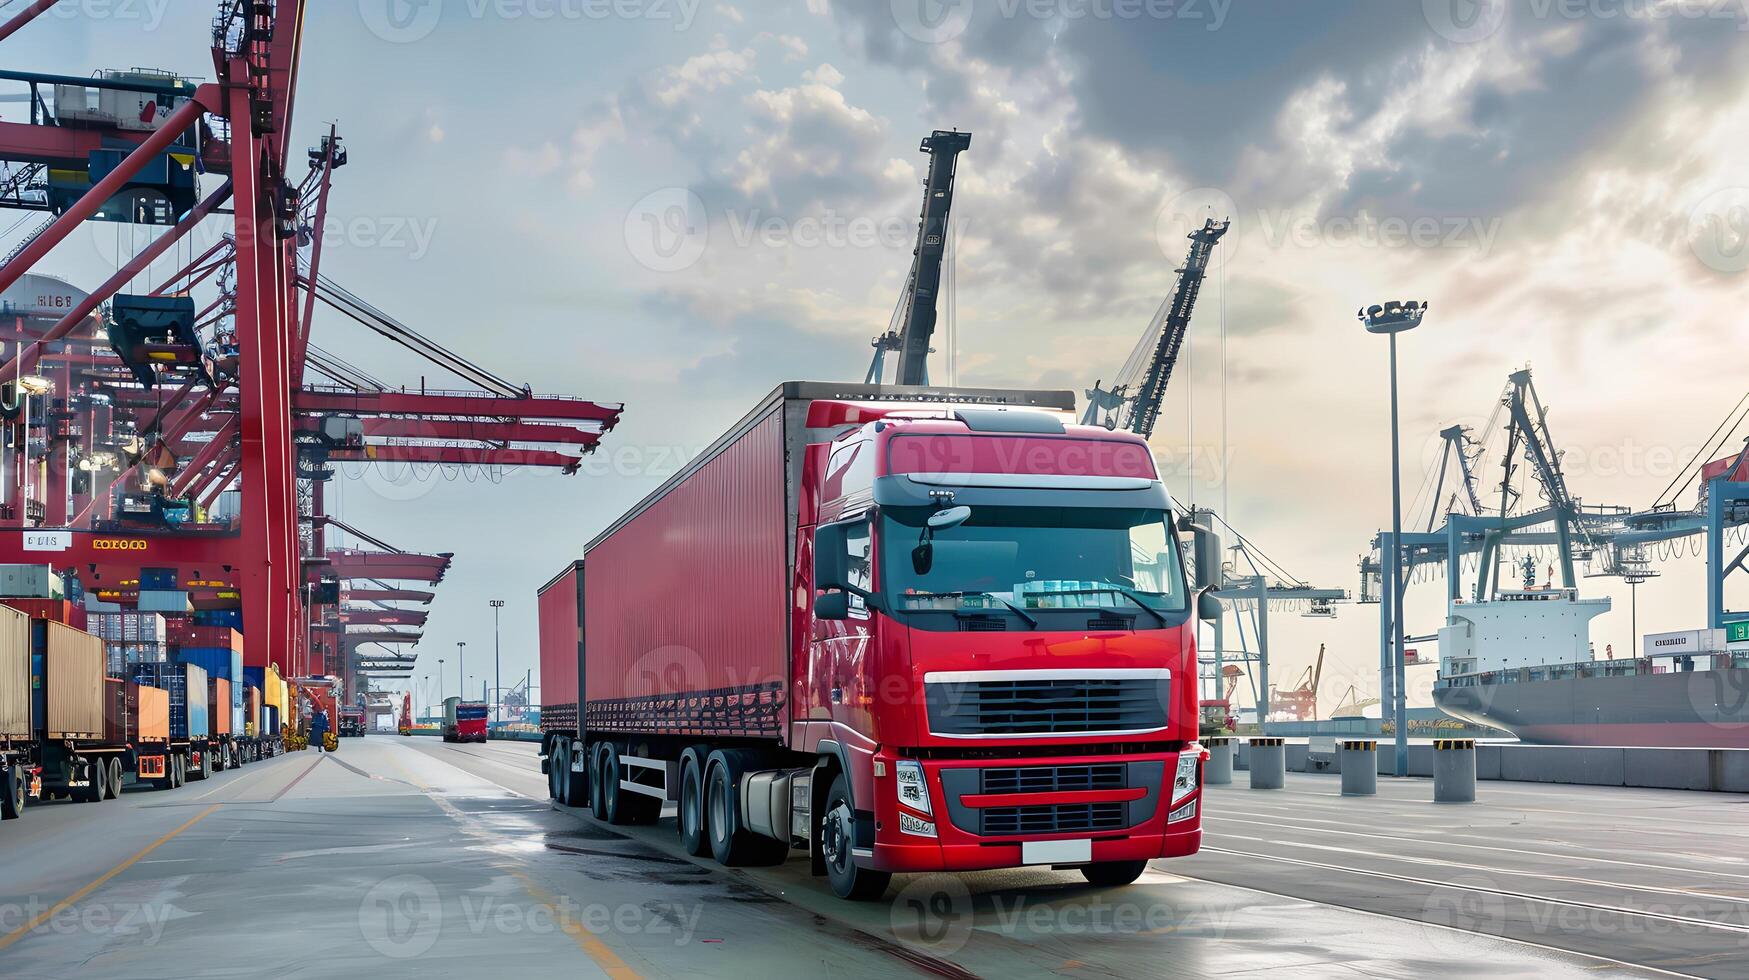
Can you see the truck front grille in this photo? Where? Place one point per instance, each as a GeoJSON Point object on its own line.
{"type": "Point", "coordinates": [1067, 818]}
{"type": "Point", "coordinates": [1053, 779]}
{"type": "Point", "coordinates": [1047, 706]}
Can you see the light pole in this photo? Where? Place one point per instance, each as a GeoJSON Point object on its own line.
{"type": "Point", "coordinates": [1391, 319]}
{"type": "Point", "coordinates": [426, 688]}
{"type": "Point", "coordinates": [461, 677]}
{"type": "Point", "coordinates": [439, 680]}
{"type": "Point", "coordinates": [497, 657]}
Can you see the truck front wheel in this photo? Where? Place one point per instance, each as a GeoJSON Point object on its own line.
{"type": "Point", "coordinates": [1113, 873]}
{"type": "Point", "coordinates": [837, 838]}
{"type": "Point", "coordinates": [15, 785]}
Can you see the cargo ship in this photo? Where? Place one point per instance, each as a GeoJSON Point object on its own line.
{"type": "Point", "coordinates": [1523, 662]}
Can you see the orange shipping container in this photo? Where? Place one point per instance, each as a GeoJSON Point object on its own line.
{"type": "Point", "coordinates": [14, 674]}
{"type": "Point", "coordinates": [152, 712]}
{"type": "Point", "coordinates": [75, 668]}
{"type": "Point", "coordinates": [219, 706]}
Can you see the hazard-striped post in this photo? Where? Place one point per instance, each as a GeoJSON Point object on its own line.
{"type": "Point", "coordinates": [1268, 763]}
{"type": "Point", "coordinates": [1454, 770]}
{"type": "Point", "coordinates": [1360, 766]}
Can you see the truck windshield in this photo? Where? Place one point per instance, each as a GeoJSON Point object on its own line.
{"type": "Point", "coordinates": [1035, 558]}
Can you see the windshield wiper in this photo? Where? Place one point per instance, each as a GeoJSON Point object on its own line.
{"type": "Point", "coordinates": [1120, 590]}
{"type": "Point", "coordinates": [1016, 610]}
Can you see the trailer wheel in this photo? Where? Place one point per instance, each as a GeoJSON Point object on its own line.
{"type": "Point", "coordinates": [558, 770]}
{"type": "Point", "coordinates": [837, 837]}
{"type": "Point", "coordinates": [178, 771]}
{"type": "Point", "coordinates": [15, 785]}
{"type": "Point", "coordinates": [694, 837]}
{"type": "Point", "coordinates": [732, 845]}
{"type": "Point", "coordinates": [598, 779]}
{"type": "Point", "coordinates": [200, 772]}
{"type": "Point", "coordinates": [115, 778]}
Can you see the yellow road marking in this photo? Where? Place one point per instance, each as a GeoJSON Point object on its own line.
{"type": "Point", "coordinates": [587, 941]}
{"type": "Point", "coordinates": [23, 930]}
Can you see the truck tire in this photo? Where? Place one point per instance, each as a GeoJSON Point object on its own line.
{"type": "Point", "coordinates": [731, 844]}
{"type": "Point", "coordinates": [597, 797]}
{"type": "Point", "coordinates": [178, 771]}
{"type": "Point", "coordinates": [14, 784]}
{"type": "Point", "coordinates": [837, 837]}
{"type": "Point", "coordinates": [558, 770]}
{"type": "Point", "coordinates": [624, 807]}
{"type": "Point", "coordinates": [694, 837]}
{"type": "Point", "coordinates": [575, 785]}
{"type": "Point", "coordinates": [115, 778]}
{"type": "Point", "coordinates": [1111, 874]}
{"type": "Point", "coordinates": [199, 772]}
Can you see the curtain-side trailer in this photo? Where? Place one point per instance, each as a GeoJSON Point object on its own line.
{"type": "Point", "coordinates": [902, 629]}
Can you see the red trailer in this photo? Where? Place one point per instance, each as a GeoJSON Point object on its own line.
{"type": "Point", "coordinates": [903, 629]}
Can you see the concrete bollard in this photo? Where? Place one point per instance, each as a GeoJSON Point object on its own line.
{"type": "Point", "coordinates": [1268, 763]}
{"type": "Point", "coordinates": [1360, 767]}
{"type": "Point", "coordinates": [1218, 771]}
{"type": "Point", "coordinates": [1454, 770]}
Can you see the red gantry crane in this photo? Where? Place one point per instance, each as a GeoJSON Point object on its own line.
{"type": "Point", "coordinates": [128, 411]}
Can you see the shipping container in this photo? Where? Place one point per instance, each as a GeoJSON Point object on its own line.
{"type": "Point", "coordinates": [219, 705]}
{"type": "Point", "coordinates": [172, 602]}
{"type": "Point", "coordinates": [135, 713]}
{"type": "Point", "coordinates": [187, 686]}
{"type": "Point", "coordinates": [14, 675]}
{"type": "Point", "coordinates": [60, 610]}
{"type": "Point", "coordinates": [644, 636]}
{"type": "Point", "coordinates": [152, 715]}
{"type": "Point", "coordinates": [561, 648]}
{"type": "Point", "coordinates": [29, 582]}
{"type": "Point", "coordinates": [158, 579]}
{"type": "Point", "coordinates": [186, 634]}
{"type": "Point", "coordinates": [72, 681]}
{"type": "Point", "coordinates": [222, 662]}
{"type": "Point", "coordinates": [232, 618]}
{"type": "Point", "coordinates": [269, 721]}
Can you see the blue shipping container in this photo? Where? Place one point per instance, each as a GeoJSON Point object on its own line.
{"type": "Point", "coordinates": [174, 603]}
{"type": "Point", "coordinates": [187, 686]}
{"type": "Point", "coordinates": [219, 617]}
{"type": "Point", "coordinates": [217, 662]}
{"type": "Point", "coordinates": [158, 579]}
{"type": "Point", "coordinates": [269, 720]}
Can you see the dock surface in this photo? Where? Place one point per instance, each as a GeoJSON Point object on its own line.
{"type": "Point", "coordinates": [402, 856]}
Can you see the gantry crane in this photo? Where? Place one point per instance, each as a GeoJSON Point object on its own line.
{"type": "Point", "coordinates": [1133, 401]}
{"type": "Point", "coordinates": [914, 320]}
{"type": "Point", "coordinates": [130, 414]}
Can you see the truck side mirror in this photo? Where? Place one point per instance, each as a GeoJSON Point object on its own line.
{"type": "Point", "coordinates": [831, 557]}
{"type": "Point", "coordinates": [1208, 608]}
{"type": "Point", "coordinates": [1206, 550]}
{"type": "Point", "coordinates": [832, 605]}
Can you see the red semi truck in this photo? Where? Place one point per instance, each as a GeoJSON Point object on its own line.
{"type": "Point", "coordinates": [902, 629]}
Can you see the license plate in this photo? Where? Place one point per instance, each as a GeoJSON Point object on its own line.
{"type": "Point", "coordinates": [1056, 851]}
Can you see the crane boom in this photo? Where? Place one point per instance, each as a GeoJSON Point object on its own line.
{"type": "Point", "coordinates": [917, 306]}
{"type": "Point", "coordinates": [1149, 368]}
{"type": "Point", "coordinates": [1153, 389]}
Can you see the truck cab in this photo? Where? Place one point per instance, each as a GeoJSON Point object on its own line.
{"type": "Point", "coordinates": [1001, 647]}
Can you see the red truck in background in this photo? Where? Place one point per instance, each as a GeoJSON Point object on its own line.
{"type": "Point", "coordinates": [903, 629]}
{"type": "Point", "coordinates": [464, 721]}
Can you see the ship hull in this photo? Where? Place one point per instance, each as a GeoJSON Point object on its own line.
{"type": "Point", "coordinates": [1697, 709]}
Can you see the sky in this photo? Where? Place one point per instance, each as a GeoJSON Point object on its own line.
{"type": "Point", "coordinates": [677, 204]}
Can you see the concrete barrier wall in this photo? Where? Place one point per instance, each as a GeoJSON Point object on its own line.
{"type": "Point", "coordinates": [1718, 770]}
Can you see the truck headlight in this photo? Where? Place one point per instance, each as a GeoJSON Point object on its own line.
{"type": "Point", "coordinates": [1184, 783]}
{"type": "Point", "coordinates": [913, 791]}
